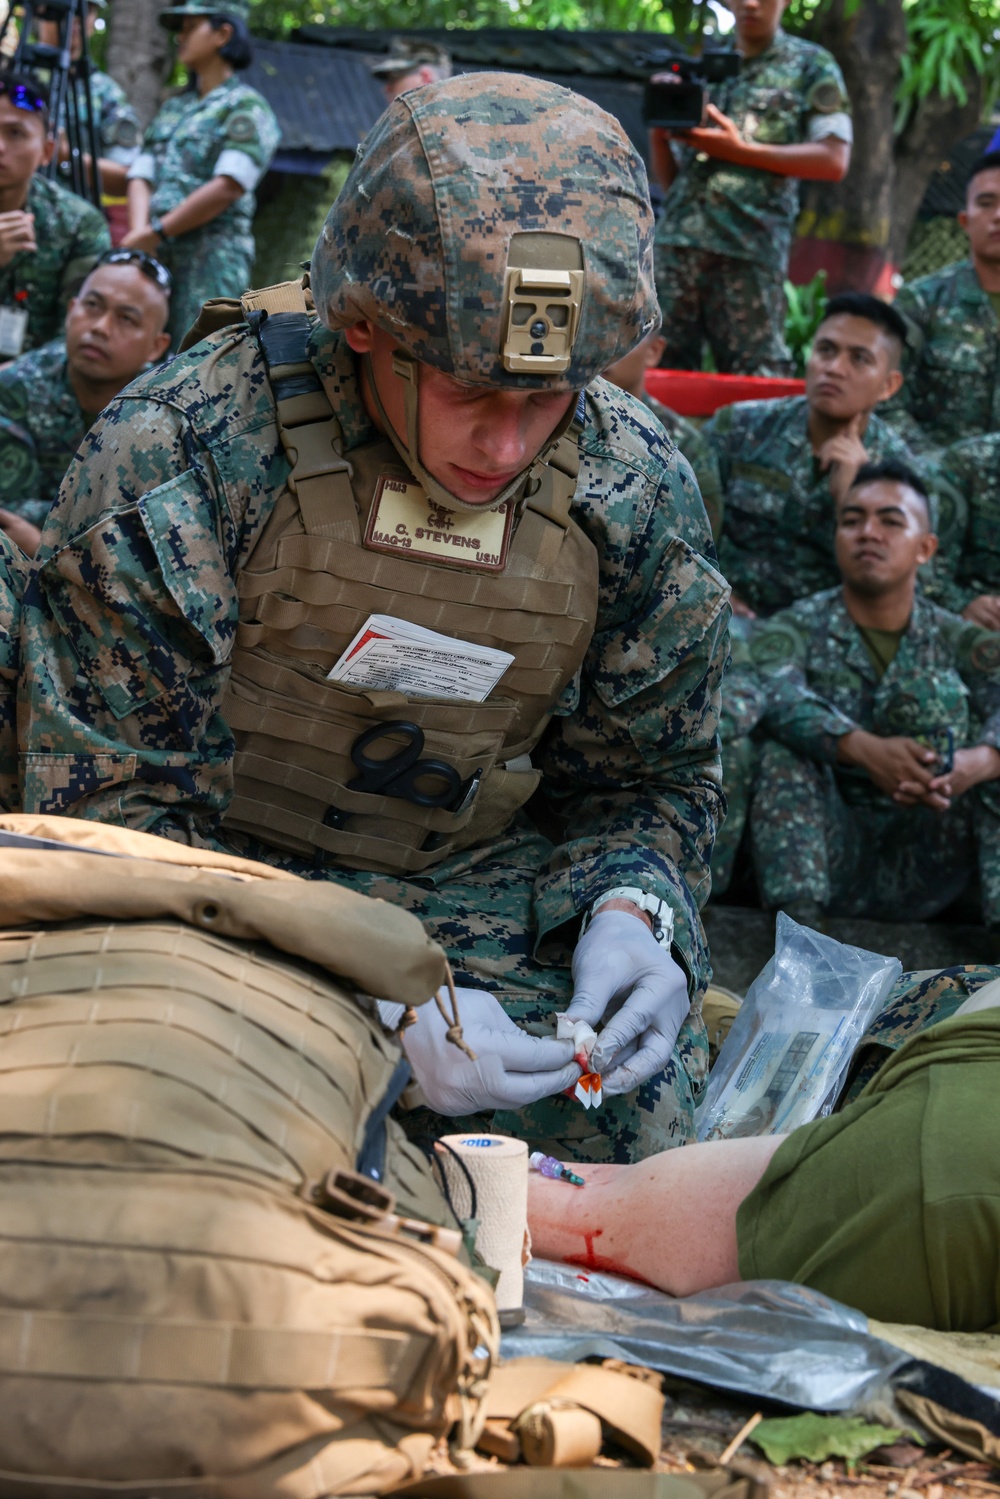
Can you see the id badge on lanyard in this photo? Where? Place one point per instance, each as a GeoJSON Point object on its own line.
{"type": "Point", "coordinates": [13, 331]}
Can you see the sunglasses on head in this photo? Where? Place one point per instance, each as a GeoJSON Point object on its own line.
{"type": "Point", "coordinates": [21, 96]}
{"type": "Point", "coordinates": [148, 265]}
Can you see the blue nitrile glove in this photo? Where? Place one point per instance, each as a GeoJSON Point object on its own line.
{"type": "Point", "coordinates": [512, 1068]}
{"type": "Point", "coordinates": [619, 969]}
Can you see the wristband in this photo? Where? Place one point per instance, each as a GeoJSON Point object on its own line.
{"type": "Point", "coordinates": [657, 910]}
{"type": "Point", "coordinates": [157, 227]}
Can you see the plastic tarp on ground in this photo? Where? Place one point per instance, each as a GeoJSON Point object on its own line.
{"type": "Point", "coordinates": [767, 1339]}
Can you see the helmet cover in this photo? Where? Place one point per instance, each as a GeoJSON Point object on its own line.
{"type": "Point", "coordinates": [419, 240]}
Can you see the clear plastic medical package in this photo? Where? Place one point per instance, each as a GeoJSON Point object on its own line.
{"type": "Point", "coordinates": [788, 1051]}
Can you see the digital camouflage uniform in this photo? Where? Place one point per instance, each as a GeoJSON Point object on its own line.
{"type": "Point", "coordinates": [776, 544]}
{"type": "Point", "coordinates": [140, 564]}
{"type": "Point", "coordinates": [916, 1001]}
{"type": "Point", "coordinates": [117, 124]}
{"type": "Point", "coordinates": [724, 236]}
{"type": "Point", "coordinates": [71, 235]}
{"type": "Point", "coordinates": [822, 831]}
{"type": "Point", "coordinates": [692, 443]}
{"type": "Point", "coordinates": [968, 564]}
{"type": "Point", "coordinates": [951, 366]}
{"type": "Point", "coordinates": [13, 571]}
{"type": "Point", "coordinates": [744, 703]}
{"type": "Point", "coordinates": [41, 427]}
{"type": "Point", "coordinates": [231, 132]}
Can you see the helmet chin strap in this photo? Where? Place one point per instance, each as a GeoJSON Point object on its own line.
{"type": "Point", "coordinates": [407, 369]}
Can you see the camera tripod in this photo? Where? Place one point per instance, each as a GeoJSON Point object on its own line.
{"type": "Point", "coordinates": [71, 104]}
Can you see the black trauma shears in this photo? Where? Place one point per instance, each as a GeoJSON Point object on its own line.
{"type": "Point", "coordinates": [404, 774]}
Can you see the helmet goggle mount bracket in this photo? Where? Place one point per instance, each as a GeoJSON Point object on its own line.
{"type": "Point", "coordinates": [543, 296]}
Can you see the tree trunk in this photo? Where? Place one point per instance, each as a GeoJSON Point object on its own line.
{"type": "Point", "coordinates": [139, 53]}
{"type": "Point", "coordinates": [868, 42]}
{"type": "Point", "coordinates": [932, 130]}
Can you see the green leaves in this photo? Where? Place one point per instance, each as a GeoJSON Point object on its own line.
{"type": "Point", "coordinates": [815, 1438]}
{"type": "Point", "coordinates": [805, 308]}
{"type": "Point", "coordinates": [948, 40]}
{"type": "Point", "coordinates": [277, 17]}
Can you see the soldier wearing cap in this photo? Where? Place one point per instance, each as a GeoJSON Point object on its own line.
{"type": "Point", "coordinates": [116, 122]}
{"type": "Point", "coordinates": [434, 446]}
{"type": "Point", "coordinates": [411, 64]}
{"type": "Point", "coordinates": [191, 189]}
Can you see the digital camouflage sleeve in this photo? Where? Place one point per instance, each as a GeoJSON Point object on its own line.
{"type": "Point", "coordinates": [41, 426]}
{"type": "Point", "coordinates": [13, 571]}
{"type": "Point", "coordinates": [130, 618]}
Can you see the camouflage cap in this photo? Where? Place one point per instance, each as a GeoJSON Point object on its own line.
{"type": "Point", "coordinates": [461, 180]}
{"type": "Point", "coordinates": [173, 18]}
{"type": "Point", "coordinates": [404, 56]}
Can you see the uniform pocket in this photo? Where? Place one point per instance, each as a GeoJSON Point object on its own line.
{"type": "Point", "coordinates": [56, 783]}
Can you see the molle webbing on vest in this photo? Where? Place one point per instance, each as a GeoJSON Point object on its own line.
{"type": "Point", "coordinates": [309, 586]}
{"type": "Point", "coordinates": [174, 1301]}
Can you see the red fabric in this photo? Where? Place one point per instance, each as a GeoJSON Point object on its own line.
{"type": "Point", "coordinates": [692, 393]}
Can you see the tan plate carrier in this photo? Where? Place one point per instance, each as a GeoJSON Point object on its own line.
{"type": "Point", "coordinates": [310, 585]}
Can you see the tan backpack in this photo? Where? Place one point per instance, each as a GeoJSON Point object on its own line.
{"type": "Point", "coordinates": [225, 1272]}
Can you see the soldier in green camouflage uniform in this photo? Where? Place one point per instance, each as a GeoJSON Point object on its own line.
{"type": "Point", "coordinates": [118, 128]}
{"type": "Point", "coordinates": [744, 703]}
{"type": "Point", "coordinates": [225, 137]}
{"type": "Point", "coordinates": [951, 387]}
{"type": "Point", "coordinates": [49, 238]}
{"type": "Point", "coordinates": [13, 570]}
{"type": "Point", "coordinates": [48, 398]}
{"type": "Point", "coordinates": [123, 699]}
{"type": "Point", "coordinates": [780, 462]}
{"type": "Point", "coordinates": [723, 240]}
{"type": "Point", "coordinates": [835, 821]}
{"type": "Point", "coordinates": [71, 236]}
{"type": "Point", "coordinates": [115, 121]}
{"type": "Point", "coordinates": [41, 427]}
{"type": "Point", "coordinates": [967, 573]}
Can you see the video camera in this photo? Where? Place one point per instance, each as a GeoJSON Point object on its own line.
{"type": "Point", "coordinates": [676, 97]}
{"type": "Point", "coordinates": [71, 104]}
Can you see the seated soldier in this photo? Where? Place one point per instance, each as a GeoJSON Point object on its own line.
{"type": "Point", "coordinates": [951, 365]}
{"type": "Point", "coordinates": [13, 567]}
{"type": "Point", "coordinates": [744, 701]}
{"type": "Point", "coordinates": [782, 463]}
{"type": "Point", "coordinates": [883, 718]}
{"type": "Point", "coordinates": [49, 237]}
{"type": "Point", "coordinates": [967, 572]}
{"type": "Point", "coordinates": [891, 1205]}
{"type": "Point", "coordinates": [630, 374]}
{"type": "Point", "coordinates": [49, 398]}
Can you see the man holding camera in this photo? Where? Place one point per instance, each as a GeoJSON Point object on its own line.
{"type": "Point", "coordinates": [723, 240]}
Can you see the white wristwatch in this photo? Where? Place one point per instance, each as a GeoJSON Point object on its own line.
{"type": "Point", "coordinates": [657, 910]}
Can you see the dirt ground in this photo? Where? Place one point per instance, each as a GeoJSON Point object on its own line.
{"type": "Point", "coordinates": [700, 1425]}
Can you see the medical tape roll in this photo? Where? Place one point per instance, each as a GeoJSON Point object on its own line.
{"type": "Point", "coordinates": [499, 1167]}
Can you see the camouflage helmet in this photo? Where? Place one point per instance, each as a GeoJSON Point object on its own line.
{"type": "Point", "coordinates": [499, 227]}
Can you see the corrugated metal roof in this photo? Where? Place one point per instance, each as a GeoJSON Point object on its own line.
{"type": "Point", "coordinates": [607, 54]}
{"type": "Point", "coordinates": [325, 100]}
